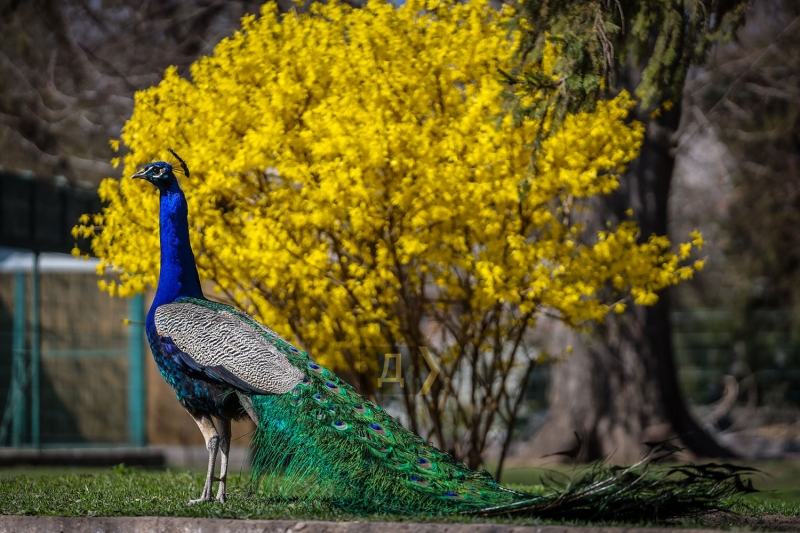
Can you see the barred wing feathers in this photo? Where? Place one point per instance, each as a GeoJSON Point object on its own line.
{"type": "Point", "coordinates": [226, 345]}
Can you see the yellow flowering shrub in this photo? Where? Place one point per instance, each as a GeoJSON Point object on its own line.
{"type": "Point", "coordinates": [353, 181]}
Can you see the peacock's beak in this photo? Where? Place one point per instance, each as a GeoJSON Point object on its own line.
{"type": "Point", "coordinates": [141, 175]}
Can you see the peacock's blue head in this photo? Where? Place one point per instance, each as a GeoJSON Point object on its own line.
{"type": "Point", "coordinates": [158, 173]}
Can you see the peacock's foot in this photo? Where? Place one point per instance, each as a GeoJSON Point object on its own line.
{"type": "Point", "coordinates": [206, 497]}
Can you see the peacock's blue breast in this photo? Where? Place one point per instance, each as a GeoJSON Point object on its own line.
{"type": "Point", "coordinates": [193, 393]}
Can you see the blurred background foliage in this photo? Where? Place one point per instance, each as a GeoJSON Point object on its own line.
{"type": "Point", "coordinates": [737, 179]}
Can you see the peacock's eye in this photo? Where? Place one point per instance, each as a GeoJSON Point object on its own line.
{"type": "Point", "coordinates": [158, 172]}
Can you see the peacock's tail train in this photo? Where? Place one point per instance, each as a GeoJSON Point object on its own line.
{"type": "Point", "coordinates": [323, 439]}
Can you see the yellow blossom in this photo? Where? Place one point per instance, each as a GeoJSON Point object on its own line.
{"type": "Point", "coordinates": [350, 166]}
{"type": "Point", "coordinates": [697, 239]}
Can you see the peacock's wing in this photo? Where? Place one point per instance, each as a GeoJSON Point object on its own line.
{"type": "Point", "coordinates": [226, 345]}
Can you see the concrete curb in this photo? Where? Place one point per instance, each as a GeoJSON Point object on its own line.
{"type": "Point", "coordinates": [154, 524]}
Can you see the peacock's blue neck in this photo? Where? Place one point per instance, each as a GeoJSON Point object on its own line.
{"type": "Point", "coordinates": [178, 278]}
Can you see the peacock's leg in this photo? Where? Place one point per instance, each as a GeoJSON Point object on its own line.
{"type": "Point", "coordinates": [211, 436]}
{"type": "Point", "coordinates": [224, 447]}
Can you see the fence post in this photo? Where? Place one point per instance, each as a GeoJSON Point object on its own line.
{"type": "Point", "coordinates": [18, 361]}
{"type": "Point", "coordinates": [136, 390]}
{"type": "Point", "coordinates": [35, 353]}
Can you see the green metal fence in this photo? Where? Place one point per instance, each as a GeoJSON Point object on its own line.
{"type": "Point", "coordinates": [71, 371]}
{"type": "Point", "coordinates": [761, 346]}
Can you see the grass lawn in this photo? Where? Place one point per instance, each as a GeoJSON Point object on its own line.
{"type": "Point", "coordinates": [132, 492]}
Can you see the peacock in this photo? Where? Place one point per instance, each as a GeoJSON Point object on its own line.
{"type": "Point", "coordinates": [317, 437]}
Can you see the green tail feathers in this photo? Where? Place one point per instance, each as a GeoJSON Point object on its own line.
{"type": "Point", "coordinates": [324, 440]}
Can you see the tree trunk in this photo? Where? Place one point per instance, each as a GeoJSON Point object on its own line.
{"type": "Point", "coordinates": [619, 388]}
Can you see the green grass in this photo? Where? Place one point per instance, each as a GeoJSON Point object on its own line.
{"type": "Point", "coordinates": [129, 492]}
{"type": "Point", "coordinates": [132, 492]}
